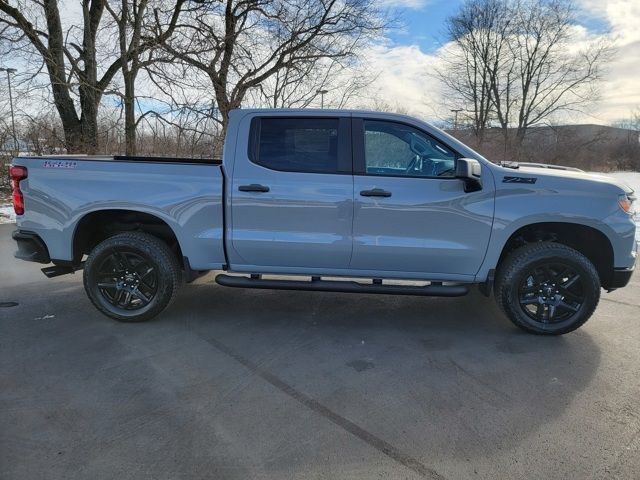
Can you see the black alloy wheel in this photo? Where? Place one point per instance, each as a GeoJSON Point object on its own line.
{"type": "Point", "coordinates": [132, 276]}
{"type": "Point", "coordinates": [547, 288]}
{"type": "Point", "coordinates": [551, 292]}
{"type": "Point", "coordinates": [127, 280]}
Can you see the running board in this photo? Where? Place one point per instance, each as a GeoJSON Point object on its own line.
{"type": "Point", "coordinates": [432, 290]}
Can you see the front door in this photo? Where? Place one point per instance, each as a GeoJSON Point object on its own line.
{"type": "Point", "coordinates": [292, 198]}
{"type": "Point", "coordinates": [410, 212]}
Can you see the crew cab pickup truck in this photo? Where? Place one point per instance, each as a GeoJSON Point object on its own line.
{"type": "Point", "coordinates": [344, 201]}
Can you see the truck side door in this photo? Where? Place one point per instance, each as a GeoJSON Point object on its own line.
{"type": "Point", "coordinates": [292, 194]}
{"type": "Point", "coordinates": [411, 214]}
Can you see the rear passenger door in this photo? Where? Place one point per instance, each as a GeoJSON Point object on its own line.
{"type": "Point", "coordinates": [292, 194]}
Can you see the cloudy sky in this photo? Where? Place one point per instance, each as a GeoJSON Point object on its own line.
{"type": "Point", "coordinates": [409, 53]}
{"type": "Point", "coordinates": [405, 58]}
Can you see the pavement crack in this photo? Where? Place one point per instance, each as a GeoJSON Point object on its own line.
{"type": "Point", "coordinates": [620, 302]}
{"type": "Point", "coordinates": [337, 419]}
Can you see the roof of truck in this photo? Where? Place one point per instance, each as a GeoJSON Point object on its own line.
{"type": "Point", "coordinates": [316, 111]}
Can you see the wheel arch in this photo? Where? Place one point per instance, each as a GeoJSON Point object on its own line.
{"type": "Point", "coordinates": [98, 225]}
{"type": "Point", "coordinates": [589, 241]}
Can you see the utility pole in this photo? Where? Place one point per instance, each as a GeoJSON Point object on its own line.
{"type": "Point", "coordinates": [13, 120]}
{"type": "Point", "coordinates": [455, 118]}
{"type": "Point", "coordinates": [322, 92]}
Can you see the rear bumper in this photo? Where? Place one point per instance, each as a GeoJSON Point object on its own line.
{"type": "Point", "coordinates": [30, 247]}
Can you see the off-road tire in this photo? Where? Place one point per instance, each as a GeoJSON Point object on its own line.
{"type": "Point", "coordinates": [514, 270]}
{"type": "Point", "coordinates": [135, 245]}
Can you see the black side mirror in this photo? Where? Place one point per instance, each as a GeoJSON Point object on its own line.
{"type": "Point", "coordinates": [469, 171]}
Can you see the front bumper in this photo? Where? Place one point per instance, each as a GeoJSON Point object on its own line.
{"type": "Point", "coordinates": [30, 247]}
{"type": "Point", "coordinates": [620, 277]}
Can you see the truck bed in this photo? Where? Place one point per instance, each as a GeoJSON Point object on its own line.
{"type": "Point", "coordinates": [60, 192]}
{"type": "Point", "coordinates": [125, 158]}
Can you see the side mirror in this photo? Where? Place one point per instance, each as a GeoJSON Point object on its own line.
{"type": "Point", "coordinates": [469, 171]}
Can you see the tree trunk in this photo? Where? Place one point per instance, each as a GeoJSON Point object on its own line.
{"type": "Point", "coordinates": [89, 101]}
{"type": "Point", "coordinates": [73, 141]}
{"type": "Point", "coordinates": [129, 113]}
{"type": "Point", "coordinates": [519, 140]}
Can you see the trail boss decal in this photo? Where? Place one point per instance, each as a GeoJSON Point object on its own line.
{"type": "Point", "coordinates": [519, 180]}
{"type": "Point", "coordinates": [59, 164]}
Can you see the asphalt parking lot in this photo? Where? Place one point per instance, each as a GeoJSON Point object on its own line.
{"type": "Point", "coordinates": [241, 384]}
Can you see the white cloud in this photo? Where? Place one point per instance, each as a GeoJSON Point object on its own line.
{"type": "Point", "coordinates": [621, 15]}
{"type": "Point", "coordinates": [620, 91]}
{"type": "Point", "coordinates": [405, 82]}
{"type": "Point", "coordinates": [412, 4]}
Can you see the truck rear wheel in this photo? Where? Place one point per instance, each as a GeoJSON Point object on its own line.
{"type": "Point", "coordinates": [547, 288]}
{"type": "Point", "coordinates": [132, 276]}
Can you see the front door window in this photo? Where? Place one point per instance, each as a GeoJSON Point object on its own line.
{"type": "Point", "coordinates": [395, 149]}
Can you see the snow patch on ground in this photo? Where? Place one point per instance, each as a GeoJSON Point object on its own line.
{"type": "Point", "coordinates": [7, 214]}
{"type": "Point", "coordinates": [633, 180]}
{"type": "Point", "coordinates": [630, 178]}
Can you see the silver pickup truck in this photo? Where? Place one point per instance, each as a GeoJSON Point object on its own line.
{"type": "Point", "coordinates": [343, 201]}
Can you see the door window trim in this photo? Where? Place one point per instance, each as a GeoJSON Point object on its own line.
{"type": "Point", "coordinates": [359, 161]}
{"type": "Point", "coordinates": [345, 157]}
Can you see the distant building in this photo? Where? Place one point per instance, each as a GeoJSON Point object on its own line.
{"type": "Point", "coordinates": [8, 148]}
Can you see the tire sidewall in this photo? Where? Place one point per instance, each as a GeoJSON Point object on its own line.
{"type": "Point", "coordinates": [128, 243]}
{"type": "Point", "coordinates": [519, 265]}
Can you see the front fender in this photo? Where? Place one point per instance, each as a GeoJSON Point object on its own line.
{"type": "Point", "coordinates": [523, 206]}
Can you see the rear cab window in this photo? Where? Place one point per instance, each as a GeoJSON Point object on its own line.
{"type": "Point", "coordinates": [310, 145]}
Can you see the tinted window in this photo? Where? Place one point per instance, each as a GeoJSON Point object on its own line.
{"type": "Point", "coordinates": [400, 150]}
{"type": "Point", "coordinates": [297, 145]}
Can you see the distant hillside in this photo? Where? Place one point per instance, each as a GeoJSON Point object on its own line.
{"type": "Point", "coordinates": [590, 147]}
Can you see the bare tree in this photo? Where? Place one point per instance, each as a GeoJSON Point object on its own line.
{"type": "Point", "coordinates": [142, 26]}
{"type": "Point", "coordinates": [299, 85]}
{"type": "Point", "coordinates": [40, 134]}
{"type": "Point", "coordinates": [239, 44]}
{"type": "Point", "coordinates": [510, 61]}
{"type": "Point", "coordinates": [5, 134]}
{"type": "Point", "coordinates": [550, 78]}
{"type": "Point", "coordinates": [478, 33]}
{"type": "Point", "coordinates": [79, 69]}
{"type": "Point", "coordinates": [67, 61]}
{"type": "Point", "coordinates": [295, 86]}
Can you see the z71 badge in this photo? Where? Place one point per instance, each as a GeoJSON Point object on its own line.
{"type": "Point", "coordinates": [59, 164]}
{"type": "Point", "coordinates": [519, 180]}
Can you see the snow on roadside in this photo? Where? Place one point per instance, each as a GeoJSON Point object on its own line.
{"type": "Point", "coordinates": [633, 180]}
{"type": "Point", "coordinates": [7, 215]}
{"type": "Point", "coordinates": [630, 178]}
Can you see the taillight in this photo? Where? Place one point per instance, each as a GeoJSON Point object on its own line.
{"type": "Point", "coordinates": [17, 173]}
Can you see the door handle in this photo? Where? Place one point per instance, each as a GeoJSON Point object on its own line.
{"type": "Point", "coordinates": [376, 192]}
{"type": "Point", "coordinates": [254, 187]}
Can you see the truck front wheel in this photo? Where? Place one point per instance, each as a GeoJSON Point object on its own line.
{"type": "Point", "coordinates": [547, 288]}
{"type": "Point", "coordinates": [132, 276]}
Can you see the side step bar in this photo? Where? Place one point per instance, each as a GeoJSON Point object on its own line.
{"type": "Point", "coordinates": [433, 290]}
{"type": "Point", "coordinates": [57, 270]}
